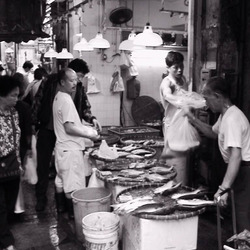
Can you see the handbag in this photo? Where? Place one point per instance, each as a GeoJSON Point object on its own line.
{"type": "Point", "coordinates": [10, 166]}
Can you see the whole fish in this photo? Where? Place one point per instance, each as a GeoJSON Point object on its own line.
{"type": "Point", "coordinates": [167, 188]}
{"type": "Point", "coordinates": [154, 209]}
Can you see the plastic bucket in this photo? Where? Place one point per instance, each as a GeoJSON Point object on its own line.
{"type": "Point", "coordinates": [86, 201]}
{"type": "Point", "coordinates": [101, 231]}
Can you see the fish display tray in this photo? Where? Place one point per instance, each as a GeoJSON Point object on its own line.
{"type": "Point", "coordinates": [147, 190]}
{"type": "Point", "coordinates": [126, 181]}
{"type": "Point", "coordinates": [157, 141]}
{"type": "Point", "coordinates": [122, 158]}
{"type": "Point", "coordinates": [140, 130]}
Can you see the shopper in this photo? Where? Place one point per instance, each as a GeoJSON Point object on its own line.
{"type": "Point", "coordinates": [70, 134]}
{"type": "Point", "coordinates": [232, 130]}
{"type": "Point", "coordinates": [170, 93]}
{"type": "Point", "coordinates": [9, 156]}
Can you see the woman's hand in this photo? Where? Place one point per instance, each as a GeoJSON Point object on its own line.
{"type": "Point", "coordinates": [222, 200]}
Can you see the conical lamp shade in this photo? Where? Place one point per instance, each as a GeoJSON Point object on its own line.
{"type": "Point", "coordinates": [99, 42]}
{"type": "Point", "coordinates": [129, 43]}
{"type": "Point", "coordinates": [51, 53]}
{"type": "Point", "coordinates": [64, 54]}
{"type": "Point", "coordinates": [148, 37]}
{"type": "Point", "coordinates": [83, 45]}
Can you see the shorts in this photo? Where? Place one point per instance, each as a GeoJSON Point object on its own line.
{"type": "Point", "coordinates": [70, 170]}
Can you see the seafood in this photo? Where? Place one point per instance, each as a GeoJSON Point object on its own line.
{"type": "Point", "coordinates": [105, 173]}
{"type": "Point", "coordinates": [154, 208]}
{"type": "Point", "coordinates": [188, 194]}
{"type": "Point", "coordinates": [161, 170]}
{"type": "Point", "coordinates": [140, 151]}
{"type": "Point", "coordinates": [167, 188]}
{"type": "Point", "coordinates": [130, 173]}
{"type": "Point", "coordinates": [195, 202]}
{"type": "Point", "coordinates": [130, 206]}
{"type": "Point", "coordinates": [131, 156]}
{"type": "Point", "coordinates": [155, 177]}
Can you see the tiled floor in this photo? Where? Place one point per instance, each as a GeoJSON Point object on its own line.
{"type": "Point", "coordinates": [34, 232]}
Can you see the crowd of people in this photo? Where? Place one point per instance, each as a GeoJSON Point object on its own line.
{"type": "Point", "coordinates": [52, 107]}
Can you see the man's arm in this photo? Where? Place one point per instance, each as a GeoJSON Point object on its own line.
{"type": "Point", "coordinates": [74, 130]}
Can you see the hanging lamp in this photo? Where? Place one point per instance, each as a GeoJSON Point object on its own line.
{"type": "Point", "coordinates": [129, 43]}
{"type": "Point", "coordinates": [50, 53]}
{"type": "Point", "coordinates": [148, 37]}
{"type": "Point", "coordinates": [99, 42]}
{"type": "Point", "coordinates": [83, 45]}
{"type": "Point", "coordinates": [64, 54]}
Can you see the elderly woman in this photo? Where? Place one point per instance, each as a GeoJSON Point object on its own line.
{"type": "Point", "coordinates": [232, 130]}
{"type": "Point", "coordinates": [9, 159]}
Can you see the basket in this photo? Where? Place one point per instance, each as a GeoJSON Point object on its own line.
{"type": "Point", "coordinates": [131, 181]}
{"type": "Point", "coordinates": [128, 131]}
{"type": "Point", "coordinates": [177, 215]}
{"type": "Point", "coordinates": [122, 159]}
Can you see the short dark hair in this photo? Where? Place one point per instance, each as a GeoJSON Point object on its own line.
{"type": "Point", "coordinates": [173, 58]}
{"type": "Point", "coordinates": [28, 64]}
{"type": "Point", "coordinates": [218, 85]}
{"type": "Point", "coordinates": [39, 73]}
{"type": "Point", "coordinates": [78, 65]}
{"type": "Point", "coordinates": [7, 84]}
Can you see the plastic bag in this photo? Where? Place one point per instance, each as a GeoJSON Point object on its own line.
{"type": "Point", "coordinates": [94, 181]}
{"type": "Point", "coordinates": [116, 83]}
{"type": "Point", "coordinates": [189, 99]}
{"type": "Point", "coordinates": [92, 84]}
{"type": "Point", "coordinates": [20, 207]}
{"type": "Point", "coordinates": [107, 152]}
{"type": "Point", "coordinates": [30, 164]}
{"type": "Point", "coordinates": [181, 135]}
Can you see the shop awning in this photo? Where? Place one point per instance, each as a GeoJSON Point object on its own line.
{"type": "Point", "coordinates": [21, 20]}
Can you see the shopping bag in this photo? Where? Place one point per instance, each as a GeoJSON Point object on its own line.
{"type": "Point", "coordinates": [182, 135]}
{"type": "Point", "coordinates": [20, 207]}
{"type": "Point", "coordinates": [30, 164]}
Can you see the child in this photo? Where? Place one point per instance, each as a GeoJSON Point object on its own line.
{"type": "Point", "coordinates": [171, 91]}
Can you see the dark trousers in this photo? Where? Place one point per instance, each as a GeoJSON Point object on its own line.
{"type": "Point", "coordinates": [46, 140]}
{"type": "Point", "coordinates": [8, 196]}
{"type": "Point", "coordinates": [242, 197]}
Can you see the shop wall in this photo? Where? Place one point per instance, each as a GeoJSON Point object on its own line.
{"type": "Point", "coordinates": [150, 65]}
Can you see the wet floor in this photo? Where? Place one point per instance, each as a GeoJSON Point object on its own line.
{"type": "Point", "coordinates": [33, 232]}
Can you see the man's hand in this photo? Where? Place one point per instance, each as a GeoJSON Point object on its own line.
{"type": "Point", "coordinates": [222, 200]}
{"type": "Point", "coordinates": [97, 125]}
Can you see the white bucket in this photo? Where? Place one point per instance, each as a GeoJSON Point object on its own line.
{"type": "Point", "coordinates": [101, 231]}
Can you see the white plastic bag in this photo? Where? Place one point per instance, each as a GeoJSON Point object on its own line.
{"type": "Point", "coordinates": [30, 165]}
{"type": "Point", "coordinates": [94, 181]}
{"type": "Point", "coordinates": [92, 84]}
{"type": "Point", "coordinates": [107, 152]}
{"type": "Point", "coordinates": [181, 135]}
{"type": "Point", "coordinates": [20, 207]}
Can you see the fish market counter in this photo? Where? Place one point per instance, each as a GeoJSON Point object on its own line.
{"type": "Point", "coordinates": [158, 222]}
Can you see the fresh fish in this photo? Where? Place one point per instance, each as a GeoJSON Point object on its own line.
{"type": "Point", "coordinates": [131, 156]}
{"type": "Point", "coordinates": [188, 194]}
{"type": "Point", "coordinates": [130, 173]}
{"type": "Point", "coordinates": [105, 173]}
{"type": "Point", "coordinates": [140, 151]}
{"type": "Point", "coordinates": [167, 188]}
{"type": "Point", "coordinates": [155, 209]}
{"type": "Point", "coordinates": [122, 153]}
{"type": "Point", "coordinates": [195, 202]}
{"type": "Point", "coordinates": [156, 178]}
{"type": "Point", "coordinates": [161, 170]}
